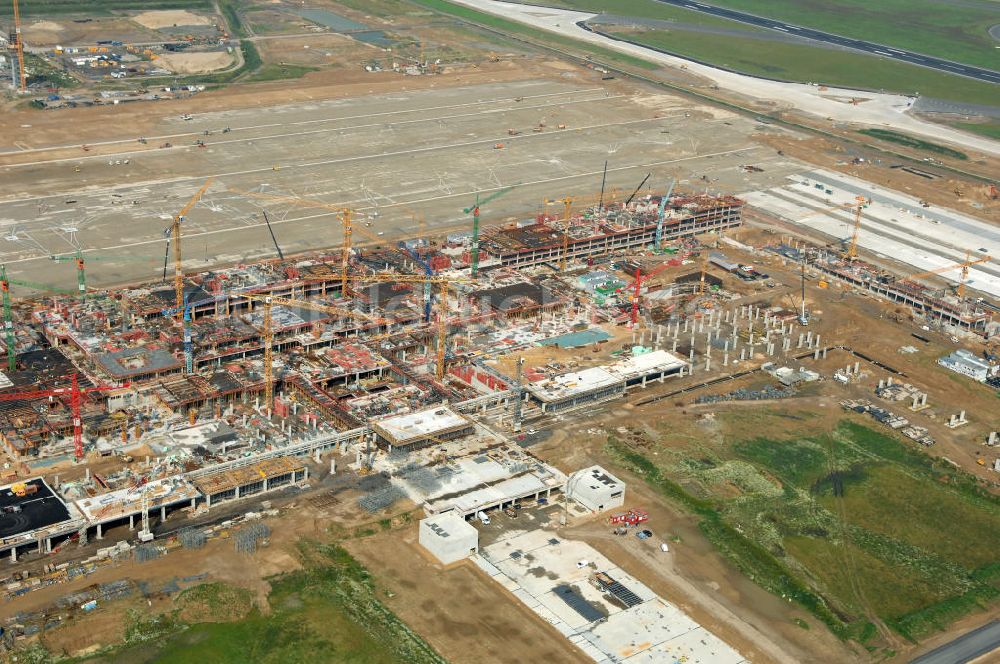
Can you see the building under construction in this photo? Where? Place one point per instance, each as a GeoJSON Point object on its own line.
{"type": "Point", "coordinates": [612, 228]}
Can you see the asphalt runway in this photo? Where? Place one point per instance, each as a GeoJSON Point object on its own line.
{"type": "Point", "coordinates": [966, 648]}
{"type": "Point", "coordinates": [407, 162]}
{"type": "Point", "coordinates": [948, 66]}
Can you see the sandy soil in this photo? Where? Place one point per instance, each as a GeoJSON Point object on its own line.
{"type": "Point", "coordinates": [167, 18]}
{"type": "Point", "coordinates": [465, 615]}
{"type": "Point", "coordinates": [195, 63]}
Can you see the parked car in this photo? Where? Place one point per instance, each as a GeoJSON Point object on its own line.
{"type": "Point", "coordinates": [644, 534]}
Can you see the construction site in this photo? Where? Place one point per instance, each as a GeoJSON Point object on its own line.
{"type": "Point", "coordinates": [489, 299]}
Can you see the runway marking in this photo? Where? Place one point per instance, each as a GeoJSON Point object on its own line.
{"type": "Point", "coordinates": [404, 204]}
{"type": "Point", "coordinates": [380, 155]}
{"type": "Point", "coordinates": [163, 151]}
{"type": "Point", "coordinates": [305, 122]}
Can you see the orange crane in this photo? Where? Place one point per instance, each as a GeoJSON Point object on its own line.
{"type": "Point", "coordinates": [268, 328]}
{"type": "Point", "coordinates": [442, 317]}
{"type": "Point", "coordinates": [18, 47]}
{"type": "Point", "coordinates": [566, 215]}
{"type": "Point", "coordinates": [344, 213]}
{"type": "Point", "coordinates": [852, 249]}
{"type": "Point", "coordinates": [175, 232]}
{"type": "Point", "coordinates": [964, 267]}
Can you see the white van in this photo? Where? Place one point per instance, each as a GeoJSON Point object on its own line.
{"type": "Point", "coordinates": [483, 518]}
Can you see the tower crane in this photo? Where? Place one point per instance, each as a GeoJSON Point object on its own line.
{"type": "Point", "coordinates": [964, 267]}
{"type": "Point", "coordinates": [81, 275]}
{"type": "Point", "coordinates": [660, 214]}
{"type": "Point", "coordinates": [474, 210]}
{"type": "Point", "coordinates": [345, 214]}
{"type": "Point", "coordinates": [566, 216]}
{"type": "Point", "coordinates": [75, 394]}
{"type": "Point", "coordinates": [174, 231]}
{"type": "Point", "coordinates": [18, 47]}
{"type": "Point", "coordinates": [268, 302]}
{"type": "Point", "coordinates": [442, 318]}
{"type": "Point", "coordinates": [636, 296]}
{"type": "Point", "coordinates": [852, 249]}
{"type": "Point", "coordinates": [8, 315]}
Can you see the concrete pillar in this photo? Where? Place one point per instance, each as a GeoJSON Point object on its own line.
{"type": "Point", "coordinates": [800, 340]}
{"type": "Point", "coordinates": [131, 521]}
{"type": "Point", "coordinates": [743, 354]}
{"type": "Point", "coordinates": [333, 466]}
{"type": "Point", "coordinates": [817, 341]}
{"type": "Point", "coordinates": [923, 399]}
{"type": "Point", "coordinates": [725, 359]}
{"type": "Point", "coordinates": [961, 416]}
{"type": "Point", "coordinates": [991, 440]}
{"type": "Point", "coordinates": [881, 384]}
{"type": "Point", "coordinates": [816, 354]}
{"type": "Point", "coordinates": [824, 353]}
{"type": "Point", "coordinates": [13, 555]}
{"type": "Point", "coordinates": [857, 366]}
{"type": "Point", "coordinates": [691, 355]}
{"type": "Point", "coordinates": [674, 348]}
{"type": "Point", "coordinates": [708, 364]}
{"type": "Point", "coordinates": [100, 532]}
{"type": "Point", "coordinates": [163, 513]}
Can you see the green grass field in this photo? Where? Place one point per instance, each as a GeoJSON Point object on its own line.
{"type": "Point", "coordinates": [100, 7]}
{"type": "Point", "coordinates": [911, 142]}
{"type": "Point", "coordinates": [957, 31]}
{"type": "Point", "coordinates": [953, 30]}
{"type": "Point", "coordinates": [806, 64]}
{"type": "Point", "coordinates": [326, 612]}
{"type": "Point", "coordinates": [854, 525]}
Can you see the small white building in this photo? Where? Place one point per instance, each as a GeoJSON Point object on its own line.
{"type": "Point", "coordinates": [448, 537]}
{"type": "Point", "coordinates": [596, 489]}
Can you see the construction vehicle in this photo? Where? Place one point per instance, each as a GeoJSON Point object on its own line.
{"type": "Point", "coordinates": [166, 145]}
{"type": "Point", "coordinates": [633, 517]}
{"type": "Point", "coordinates": [513, 132]}
{"type": "Point", "coordinates": [22, 489]}
{"type": "Point", "coordinates": [498, 146]}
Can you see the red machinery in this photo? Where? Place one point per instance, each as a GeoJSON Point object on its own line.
{"type": "Point", "coordinates": [75, 397]}
{"type": "Point", "coordinates": [632, 518]}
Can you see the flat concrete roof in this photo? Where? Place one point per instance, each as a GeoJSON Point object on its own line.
{"type": "Point", "coordinates": [645, 363]}
{"type": "Point", "coordinates": [573, 384]}
{"type": "Point", "coordinates": [546, 574]}
{"type": "Point", "coordinates": [420, 424]}
{"type": "Point", "coordinates": [449, 525]}
{"type": "Point", "coordinates": [123, 502]}
{"type": "Point", "coordinates": [595, 477]}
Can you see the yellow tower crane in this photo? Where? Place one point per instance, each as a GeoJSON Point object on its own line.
{"type": "Point", "coordinates": [345, 215]}
{"type": "Point", "coordinates": [442, 320]}
{"type": "Point", "coordinates": [268, 302]}
{"type": "Point", "coordinates": [852, 249]}
{"type": "Point", "coordinates": [964, 267]}
{"type": "Point", "coordinates": [566, 216]}
{"type": "Point", "coordinates": [18, 47]}
{"type": "Point", "coordinates": [175, 231]}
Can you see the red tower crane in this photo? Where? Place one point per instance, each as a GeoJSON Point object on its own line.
{"type": "Point", "coordinates": [639, 278]}
{"type": "Point", "coordinates": [75, 398]}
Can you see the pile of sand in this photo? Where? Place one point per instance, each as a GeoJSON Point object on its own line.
{"type": "Point", "coordinates": [166, 18]}
{"type": "Point", "coordinates": [195, 63]}
{"type": "Point", "coordinates": [48, 26]}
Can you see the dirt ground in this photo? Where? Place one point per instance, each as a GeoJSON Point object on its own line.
{"type": "Point", "coordinates": [195, 63]}
{"type": "Point", "coordinates": [166, 18]}
{"type": "Point", "coordinates": [465, 615]}
{"type": "Point", "coordinates": [67, 32]}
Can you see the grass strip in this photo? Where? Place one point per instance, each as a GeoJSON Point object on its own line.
{"type": "Point", "coordinates": [911, 142]}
